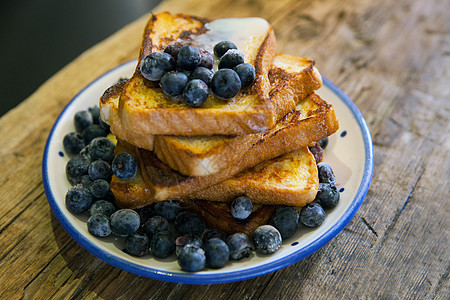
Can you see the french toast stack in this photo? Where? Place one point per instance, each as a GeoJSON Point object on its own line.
{"type": "Point", "coordinates": [254, 144]}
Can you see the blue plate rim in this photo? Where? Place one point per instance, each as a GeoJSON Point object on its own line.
{"type": "Point", "coordinates": [195, 278]}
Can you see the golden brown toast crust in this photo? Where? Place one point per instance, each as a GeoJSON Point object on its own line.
{"type": "Point", "coordinates": [270, 182]}
{"type": "Point", "coordinates": [177, 26]}
{"type": "Point", "coordinates": [215, 116]}
{"type": "Point", "coordinates": [109, 106]}
{"type": "Point", "coordinates": [113, 90]}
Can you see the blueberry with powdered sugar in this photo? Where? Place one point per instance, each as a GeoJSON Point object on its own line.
{"type": "Point", "coordinates": [156, 64]}
{"type": "Point", "coordinates": [267, 239]}
{"type": "Point", "coordinates": [231, 59]}
{"type": "Point", "coordinates": [222, 47]}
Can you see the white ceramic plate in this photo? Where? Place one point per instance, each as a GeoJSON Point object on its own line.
{"type": "Point", "coordinates": [349, 152]}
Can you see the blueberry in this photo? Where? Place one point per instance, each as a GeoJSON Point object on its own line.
{"type": "Point", "coordinates": [100, 169]}
{"type": "Point", "coordinates": [102, 207]}
{"type": "Point", "coordinates": [217, 253]}
{"type": "Point", "coordinates": [231, 59]}
{"type": "Point", "coordinates": [286, 221]}
{"type": "Point", "coordinates": [226, 83]}
{"type": "Point", "coordinates": [323, 142]}
{"type": "Point", "coordinates": [172, 50]}
{"type": "Point", "coordinates": [95, 112]}
{"type": "Point", "coordinates": [203, 74]}
{"type": "Point", "coordinates": [102, 148]}
{"type": "Point", "coordinates": [191, 258]}
{"type": "Point", "coordinates": [156, 64]}
{"type": "Point", "coordinates": [154, 225]}
{"type": "Point", "coordinates": [137, 244]}
{"type": "Point", "coordinates": [239, 245]}
{"type": "Point", "coordinates": [73, 143]}
{"type": "Point", "coordinates": [82, 120]}
{"type": "Point", "coordinates": [145, 213]}
{"type": "Point", "coordinates": [85, 153]}
{"type": "Point", "coordinates": [124, 222]}
{"type": "Point", "coordinates": [326, 174]}
{"type": "Point", "coordinates": [195, 93]}
{"type": "Point", "coordinates": [186, 239]}
{"type": "Point", "coordinates": [188, 58]}
{"type": "Point", "coordinates": [99, 188]}
{"type": "Point", "coordinates": [110, 197]}
{"type": "Point", "coordinates": [162, 244]}
{"type": "Point", "coordinates": [267, 239]}
{"type": "Point", "coordinates": [312, 215]}
{"type": "Point", "coordinates": [215, 233]}
{"type": "Point", "coordinates": [185, 72]}
{"type": "Point", "coordinates": [167, 209]}
{"type": "Point", "coordinates": [98, 225]}
{"type": "Point", "coordinates": [75, 168]}
{"type": "Point", "coordinates": [103, 124]}
{"type": "Point", "coordinates": [85, 181]}
{"type": "Point", "coordinates": [78, 199]}
{"type": "Point", "coordinates": [241, 208]}
{"type": "Point", "coordinates": [188, 222]}
{"type": "Point", "coordinates": [173, 84]}
{"type": "Point", "coordinates": [206, 59]}
{"type": "Point", "coordinates": [246, 73]}
{"type": "Point", "coordinates": [222, 47]}
{"type": "Point", "coordinates": [327, 195]}
{"type": "Point", "coordinates": [124, 166]}
{"type": "Point", "coordinates": [93, 131]}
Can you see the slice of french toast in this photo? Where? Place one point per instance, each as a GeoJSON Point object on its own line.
{"type": "Point", "coordinates": [291, 79]}
{"type": "Point", "coordinates": [290, 179]}
{"type": "Point", "coordinates": [144, 109]}
{"type": "Point", "coordinates": [287, 180]}
{"type": "Point", "coordinates": [316, 120]}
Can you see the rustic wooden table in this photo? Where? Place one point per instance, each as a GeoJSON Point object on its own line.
{"type": "Point", "coordinates": [392, 58]}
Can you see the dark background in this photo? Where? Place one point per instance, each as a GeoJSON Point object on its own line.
{"type": "Point", "coordinates": [39, 37]}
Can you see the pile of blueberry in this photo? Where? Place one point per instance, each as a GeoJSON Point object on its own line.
{"type": "Point", "coordinates": [90, 168]}
{"type": "Point", "coordinates": [164, 228]}
{"type": "Point", "coordinates": [185, 72]}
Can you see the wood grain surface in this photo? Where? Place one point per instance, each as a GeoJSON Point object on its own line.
{"type": "Point", "coordinates": [392, 58]}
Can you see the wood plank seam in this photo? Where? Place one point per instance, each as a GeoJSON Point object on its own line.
{"type": "Point", "coordinates": [392, 224]}
{"type": "Point", "coordinates": [272, 276]}
{"type": "Point", "coordinates": [442, 279]}
{"type": "Point", "coordinates": [85, 278]}
{"type": "Point", "coordinates": [369, 227]}
{"type": "Point", "coordinates": [111, 281]}
{"type": "Point", "coordinates": [39, 273]}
